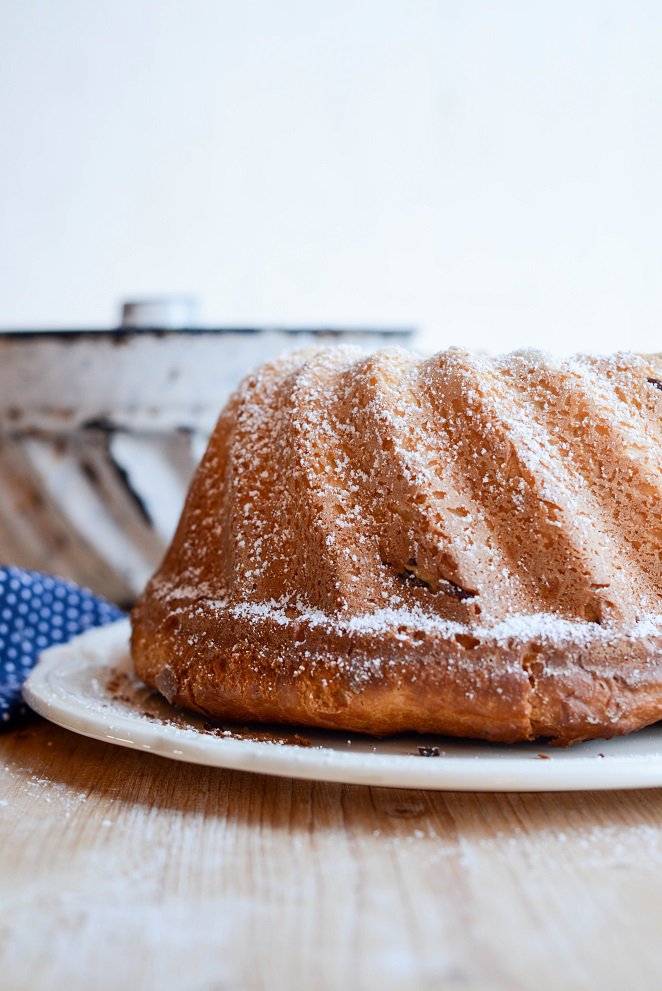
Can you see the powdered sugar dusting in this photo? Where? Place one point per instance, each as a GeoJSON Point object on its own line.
{"type": "Point", "coordinates": [519, 484]}
{"type": "Point", "coordinates": [541, 627]}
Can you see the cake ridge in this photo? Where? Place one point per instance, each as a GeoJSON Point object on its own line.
{"type": "Point", "coordinates": [540, 519]}
{"type": "Point", "coordinates": [608, 445]}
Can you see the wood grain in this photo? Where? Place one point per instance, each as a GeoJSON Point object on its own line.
{"type": "Point", "coordinates": [121, 869]}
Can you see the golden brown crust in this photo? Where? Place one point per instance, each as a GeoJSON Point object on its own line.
{"type": "Point", "coordinates": [505, 691]}
{"type": "Point", "coordinates": [346, 559]}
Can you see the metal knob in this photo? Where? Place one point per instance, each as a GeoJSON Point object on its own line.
{"type": "Point", "coordinates": [161, 313]}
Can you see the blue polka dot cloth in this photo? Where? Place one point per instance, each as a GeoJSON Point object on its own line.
{"type": "Point", "coordinates": [36, 612]}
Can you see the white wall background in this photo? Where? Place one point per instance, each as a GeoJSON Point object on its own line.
{"type": "Point", "coordinates": [487, 169]}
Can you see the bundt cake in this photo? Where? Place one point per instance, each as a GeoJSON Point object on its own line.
{"type": "Point", "coordinates": [461, 545]}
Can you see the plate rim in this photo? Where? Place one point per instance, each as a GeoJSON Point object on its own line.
{"type": "Point", "coordinates": [48, 696]}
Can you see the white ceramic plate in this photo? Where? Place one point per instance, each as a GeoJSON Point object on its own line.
{"type": "Point", "coordinates": [88, 686]}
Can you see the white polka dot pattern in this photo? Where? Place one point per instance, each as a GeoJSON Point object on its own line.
{"type": "Point", "coordinates": [36, 612]}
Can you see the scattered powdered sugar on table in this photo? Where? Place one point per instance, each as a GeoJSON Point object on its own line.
{"type": "Point", "coordinates": [120, 904]}
{"type": "Point", "coordinates": [64, 799]}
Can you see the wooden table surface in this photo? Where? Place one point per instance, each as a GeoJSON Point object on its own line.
{"type": "Point", "coordinates": [123, 870]}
